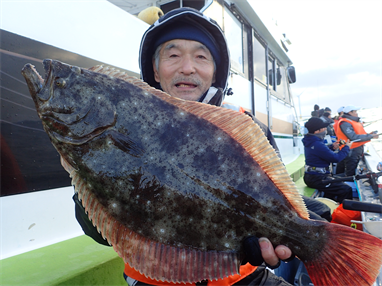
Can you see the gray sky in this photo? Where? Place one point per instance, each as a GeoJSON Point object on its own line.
{"type": "Point", "coordinates": [336, 50]}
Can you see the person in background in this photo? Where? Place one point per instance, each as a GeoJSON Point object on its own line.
{"type": "Point", "coordinates": [340, 111]}
{"type": "Point", "coordinates": [318, 157]}
{"type": "Point", "coordinates": [350, 128]}
{"type": "Point", "coordinates": [327, 117]}
{"type": "Point", "coordinates": [316, 108]}
{"type": "Point", "coordinates": [337, 118]}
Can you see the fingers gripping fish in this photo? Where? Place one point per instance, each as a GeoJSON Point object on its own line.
{"type": "Point", "coordinates": [175, 186]}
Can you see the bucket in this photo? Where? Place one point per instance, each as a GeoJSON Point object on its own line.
{"type": "Point", "coordinates": [373, 227]}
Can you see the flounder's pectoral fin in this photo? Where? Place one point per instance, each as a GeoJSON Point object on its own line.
{"type": "Point", "coordinates": [125, 143]}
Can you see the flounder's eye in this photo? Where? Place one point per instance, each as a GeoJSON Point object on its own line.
{"type": "Point", "coordinates": [61, 83]}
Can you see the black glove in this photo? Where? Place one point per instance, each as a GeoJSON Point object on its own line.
{"type": "Point", "coordinates": [84, 221]}
{"type": "Point", "coordinates": [253, 254]}
{"type": "Point", "coordinates": [252, 251]}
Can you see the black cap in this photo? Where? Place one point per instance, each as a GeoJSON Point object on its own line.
{"type": "Point", "coordinates": [315, 123]}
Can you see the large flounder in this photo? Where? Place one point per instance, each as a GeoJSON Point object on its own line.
{"type": "Point", "coordinates": [175, 186]}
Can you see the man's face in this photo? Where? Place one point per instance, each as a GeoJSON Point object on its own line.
{"type": "Point", "coordinates": [320, 130]}
{"type": "Point", "coordinates": [185, 69]}
{"type": "Point", "coordinates": [354, 113]}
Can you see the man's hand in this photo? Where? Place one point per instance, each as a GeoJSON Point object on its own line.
{"type": "Point", "coordinates": [272, 255]}
{"type": "Point", "coordinates": [336, 145]}
{"type": "Point", "coordinates": [349, 143]}
{"type": "Point", "coordinates": [261, 250]}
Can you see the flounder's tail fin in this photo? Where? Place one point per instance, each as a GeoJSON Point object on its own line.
{"type": "Point", "coordinates": [351, 257]}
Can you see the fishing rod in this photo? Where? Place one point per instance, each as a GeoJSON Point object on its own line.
{"type": "Point", "coordinates": [371, 122]}
{"type": "Point", "coordinates": [371, 176]}
{"type": "Point", "coordinates": [355, 177]}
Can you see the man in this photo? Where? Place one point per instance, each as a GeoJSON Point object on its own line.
{"type": "Point", "coordinates": [318, 157]}
{"type": "Point", "coordinates": [327, 117]}
{"type": "Point", "coordinates": [350, 128]}
{"type": "Point", "coordinates": [340, 111]}
{"type": "Point", "coordinates": [316, 108]}
{"type": "Point", "coordinates": [185, 54]}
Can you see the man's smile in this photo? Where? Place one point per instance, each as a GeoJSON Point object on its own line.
{"type": "Point", "coordinates": [185, 85]}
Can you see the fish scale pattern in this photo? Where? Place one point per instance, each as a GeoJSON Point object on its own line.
{"type": "Point", "coordinates": [251, 137]}
{"type": "Point", "coordinates": [154, 259]}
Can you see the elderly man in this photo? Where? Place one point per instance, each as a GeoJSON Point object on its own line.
{"type": "Point", "coordinates": [350, 128]}
{"type": "Point", "coordinates": [185, 54]}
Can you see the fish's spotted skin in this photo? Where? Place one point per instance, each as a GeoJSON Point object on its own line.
{"type": "Point", "coordinates": [176, 185]}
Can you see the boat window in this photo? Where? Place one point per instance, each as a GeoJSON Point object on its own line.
{"type": "Point", "coordinates": [215, 11]}
{"type": "Point", "coordinates": [259, 69]}
{"type": "Point", "coordinates": [277, 80]}
{"type": "Point", "coordinates": [282, 86]}
{"type": "Point", "coordinates": [233, 30]}
{"type": "Point", "coordinates": [271, 73]}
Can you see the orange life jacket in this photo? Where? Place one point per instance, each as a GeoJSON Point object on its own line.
{"type": "Point", "coordinates": [245, 270]}
{"type": "Point", "coordinates": [233, 107]}
{"type": "Point", "coordinates": [358, 129]}
{"type": "Point", "coordinates": [336, 125]}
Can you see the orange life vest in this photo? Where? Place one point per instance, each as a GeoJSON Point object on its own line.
{"type": "Point", "coordinates": [245, 270]}
{"type": "Point", "coordinates": [358, 129]}
{"type": "Point", "coordinates": [336, 125]}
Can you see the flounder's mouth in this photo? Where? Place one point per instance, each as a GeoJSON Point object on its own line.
{"type": "Point", "coordinates": [34, 81]}
{"type": "Point", "coordinates": [60, 112]}
{"type": "Point", "coordinates": [66, 116]}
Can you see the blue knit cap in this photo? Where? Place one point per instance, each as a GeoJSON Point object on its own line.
{"type": "Point", "coordinates": [194, 32]}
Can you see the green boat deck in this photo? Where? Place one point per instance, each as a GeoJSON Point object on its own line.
{"type": "Point", "coordinates": [76, 261]}
{"type": "Point", "coordinates": [296, 171]}
{"type": "Point", "coordinates": [81, 261]}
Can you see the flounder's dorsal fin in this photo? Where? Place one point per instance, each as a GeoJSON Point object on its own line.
{"type": "Point", "coordinates": [238, 126]}
{"type": "Point", "coordinates": [121, 75]}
